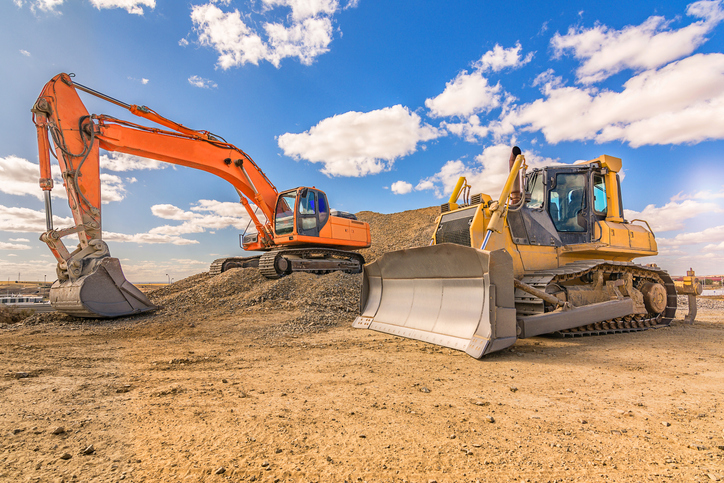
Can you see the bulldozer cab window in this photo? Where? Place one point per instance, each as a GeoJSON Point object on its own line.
{"type": "Point", "coordinates": [284, 214]}
{"type": "Point", "coordinates": [566, 202]}
{"type": "Point", "coordinates": [536, 190]}
{"type": "Point", "coordinates": [600, 204]}
{"type": "Point", "coordinates": [323, 208]}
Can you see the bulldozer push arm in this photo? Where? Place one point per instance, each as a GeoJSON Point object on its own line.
{"type": "Point", "coordinates": [555, 257]}
{"type": "Point", "coordinates": [92, 284]}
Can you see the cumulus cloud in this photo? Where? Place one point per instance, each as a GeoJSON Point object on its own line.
{"type": "Point", "coordinates": [27, 220]}
{"type": "Point", "coordinates": [13, 246]}
{"type": "Point", "coordinates": [147, 238]}
{"type": "Point", "coordinates": [197, 81]}
{"type": "Point", "coordinates": [401, 187]}
{"type": "Point", "coordinates": [672, 215]}
{"type": "Point", "coordinates": [305, 33]}
{"type": "Point", "coordinates": [465, 95]}
{"type": "Point", "coordinates": [500, 58]}
{"type": "Point", "coordinates": [712, 235]}
{"type": "Point", "coordinates": [359, 143]}
{"type": "Point", "coordinates": [25, 53]}
{"type": "Point", "coordinates": [131, 6]}
{"type": "Point", "coordinates": [19, 176]}
{"type": "Point", "coordinates": [605, 51]}
{"type": "Point", "coordinates": [205, 215]}
{"type": "Point", "coordinates": [664, 106]}
{"type": "Point", "coordinates": [127, 162]}
{"type": "Point", "coordinates": [487, 175]}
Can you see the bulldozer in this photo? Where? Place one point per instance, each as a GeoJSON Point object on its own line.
{"type": "Point", "coordinates": [296, 230]}
{"type": "Point", "coordinates": [552, 255]}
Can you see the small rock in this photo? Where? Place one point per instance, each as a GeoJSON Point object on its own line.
{"type": "Point", "coordinates": [452, 436]}
{"type": "Point", "coordinates": [21, 375]}
{"type": "Point", "coordinates": [220, 470]}
{"type": "Point", "coordinates": [583, 421]}
{"type": "Point", "coordinates": [362, 436]}
{"type": "Point", "coordinates": [424, 389]}
{"type": "Point", "coordinates": [65, 456]}
{"type": "Point", "coordinates": [224, 381]}
{"type": "Point", "coordinates": [17, 430]}
{"type": "Point", "coordinates": [513, 389]}
{"type": "Point", "coordinates": [88, 450]}
{"type": "Point", "coordinates": [666, 423]}
{"type": "Point", "coordinates": [278, 450]}
{"type": "Point", "coordinates": [265, 464]}
{"type": "Point", "coordinates": [713, 477]}
{"type": "Point", "coordinates": [490, 419]}
{"type": "Point", "coordinates": [481, 403]}
{"type": "Point", "coordinates": [58, 430]}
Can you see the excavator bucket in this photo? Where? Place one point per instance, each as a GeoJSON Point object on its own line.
{"type": "Point", "coordinates": [104, 292]}
{"type": "Point", "coordinates": [450, 295]}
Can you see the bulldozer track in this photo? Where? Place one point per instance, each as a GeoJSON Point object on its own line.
{"type": "Point", "coordinates": [629, 323]}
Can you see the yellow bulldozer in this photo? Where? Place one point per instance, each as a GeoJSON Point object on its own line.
{"type": "Point", "coordinates": [552, 257]}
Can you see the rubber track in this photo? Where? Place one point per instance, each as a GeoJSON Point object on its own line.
{"type": "Point", "coordinates": [630, 323]}
{"type": "Point", "coordinates": [268, 269]}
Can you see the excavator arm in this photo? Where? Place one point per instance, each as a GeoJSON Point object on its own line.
{"type": "Point", "coordinates": [90, 282]}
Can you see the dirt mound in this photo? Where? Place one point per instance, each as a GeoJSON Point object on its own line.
{"type": "Point", "coordinates": [303, 301]}
{"type": "Point", "coordinates": [397, 231]}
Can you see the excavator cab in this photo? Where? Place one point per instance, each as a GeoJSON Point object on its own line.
{"type": "Point", "coordinates": [302, 211]}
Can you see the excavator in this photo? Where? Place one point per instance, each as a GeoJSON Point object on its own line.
{"type": "Point", "coordinates": [295, 231]}
{"type": "Point", "coordinates": [555, 257]}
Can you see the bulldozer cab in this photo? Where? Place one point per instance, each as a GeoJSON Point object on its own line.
{"type": "Point", "coordinates": [301, 211]}
{"type": "Point", "coordinates": [562, 205]}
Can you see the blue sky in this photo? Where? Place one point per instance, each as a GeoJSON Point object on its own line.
{"type": "Point", "coordinates": [380, 104]}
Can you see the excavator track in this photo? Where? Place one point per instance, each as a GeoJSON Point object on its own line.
{"type": "Point", "coordinates": [223, 264]}
{"type": "Point", "coordinates": [317, 260]}
{"type": "Point", "coordinates": [586, 268]}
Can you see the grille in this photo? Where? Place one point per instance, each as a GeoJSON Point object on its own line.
{"type": "Point", "coordinates": [455, 227]}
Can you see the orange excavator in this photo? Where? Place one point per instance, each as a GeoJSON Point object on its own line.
{"type": "Point", "coordinates": [297, 232]}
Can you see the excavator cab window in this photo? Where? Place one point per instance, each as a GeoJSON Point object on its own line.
{"type": "Point", "coordinates": [566, 202]}
{"type": "Point", "coordinates": [284, 218]}
{"type": "Point", "coordinates": [307, 223]}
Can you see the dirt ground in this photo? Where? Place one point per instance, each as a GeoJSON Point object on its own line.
{"type": "Point", "coordinates": [263, 394]}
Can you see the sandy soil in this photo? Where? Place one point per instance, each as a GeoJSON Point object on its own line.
{"type": "Point", "coordinates": [193, 396]}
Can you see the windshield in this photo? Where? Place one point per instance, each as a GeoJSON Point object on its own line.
{"type": "Point", "coordinates": [284, 217]}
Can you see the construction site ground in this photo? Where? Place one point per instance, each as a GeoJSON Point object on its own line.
{"type": "Point", "coordinates": [239, 378]}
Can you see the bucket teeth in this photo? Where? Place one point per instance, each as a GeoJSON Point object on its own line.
{"type": "Point", "coordinates": [105, 292]}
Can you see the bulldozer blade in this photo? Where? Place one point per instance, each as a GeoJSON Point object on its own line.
{"type": "Point", "coordinates": [104, 292]}
{"type": "Point", "coordinates": [450, 295]}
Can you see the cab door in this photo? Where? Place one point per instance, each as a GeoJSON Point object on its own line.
{"type": "Point", "coordinates": [312, 212]}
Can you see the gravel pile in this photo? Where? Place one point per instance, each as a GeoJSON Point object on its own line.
{"type": "Point", "coordinates": [397, 231]}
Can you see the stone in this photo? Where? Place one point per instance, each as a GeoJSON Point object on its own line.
{"type": "Point", "coordinates": [65, 456]}
{"type": "Point", "coordinates": [220, 470]}
{"type": "Point", "coordinates": [88, 450]}
{"type": "Point", "coordinates": [490, 419]}
{"type": "Point", "coordinates": [513, 389]}
{"type": "Point", "coordinates": [58, 430]}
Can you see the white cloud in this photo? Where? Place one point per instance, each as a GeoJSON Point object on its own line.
{"type": "Point", "coordinates": [19, 176]}
{"type": "Point", "coordinates": [713, 235]}
{"type": "Point", "coordinates": [672, 215]}
{"type": "Point", "coordinates": [487, 175]}
{"type": "Point", "coordinates": [500, 58]}
{"type": "Point", "coordinates": [131, 6]}
{"type": "Point", "coordinates": [25, 53]}
{"type": "Point", "coordinates": [304, 34]}
{"type": "Point", "coordinates": [43, 5]}
{"type": "Point", "coordinates": [147, 238]}
{"type": "Point", "coordinates": [359, 143]}
{"type": "Point", "coordinates": [144, 81]}
{"type": "Point", "coordinates": [197, 81]}
{"type": "Point", "coordinates": [127, 162]}
{"type": "Point", "coordinates": [27, 220]}
{"type": "Point", "coordinates": [14, 246]}
{"type": "Point", "coordinates": [112, 188]}
{"type": "Point", "coordinates": [19, 240]}
{"type": "Point", "coordinates": [682, 102]}
{"type": "Point", "coordinates": [647, 46]}
{"type": "Point", "coordinates": [465, 95]}
{"type": "Point", "coordinates": [183, 42]}
{"type": "Point", "coordinates": [401, 187]}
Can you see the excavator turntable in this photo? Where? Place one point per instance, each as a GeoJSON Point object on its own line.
{"type": "Point", "coordinates": [296, 230]}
